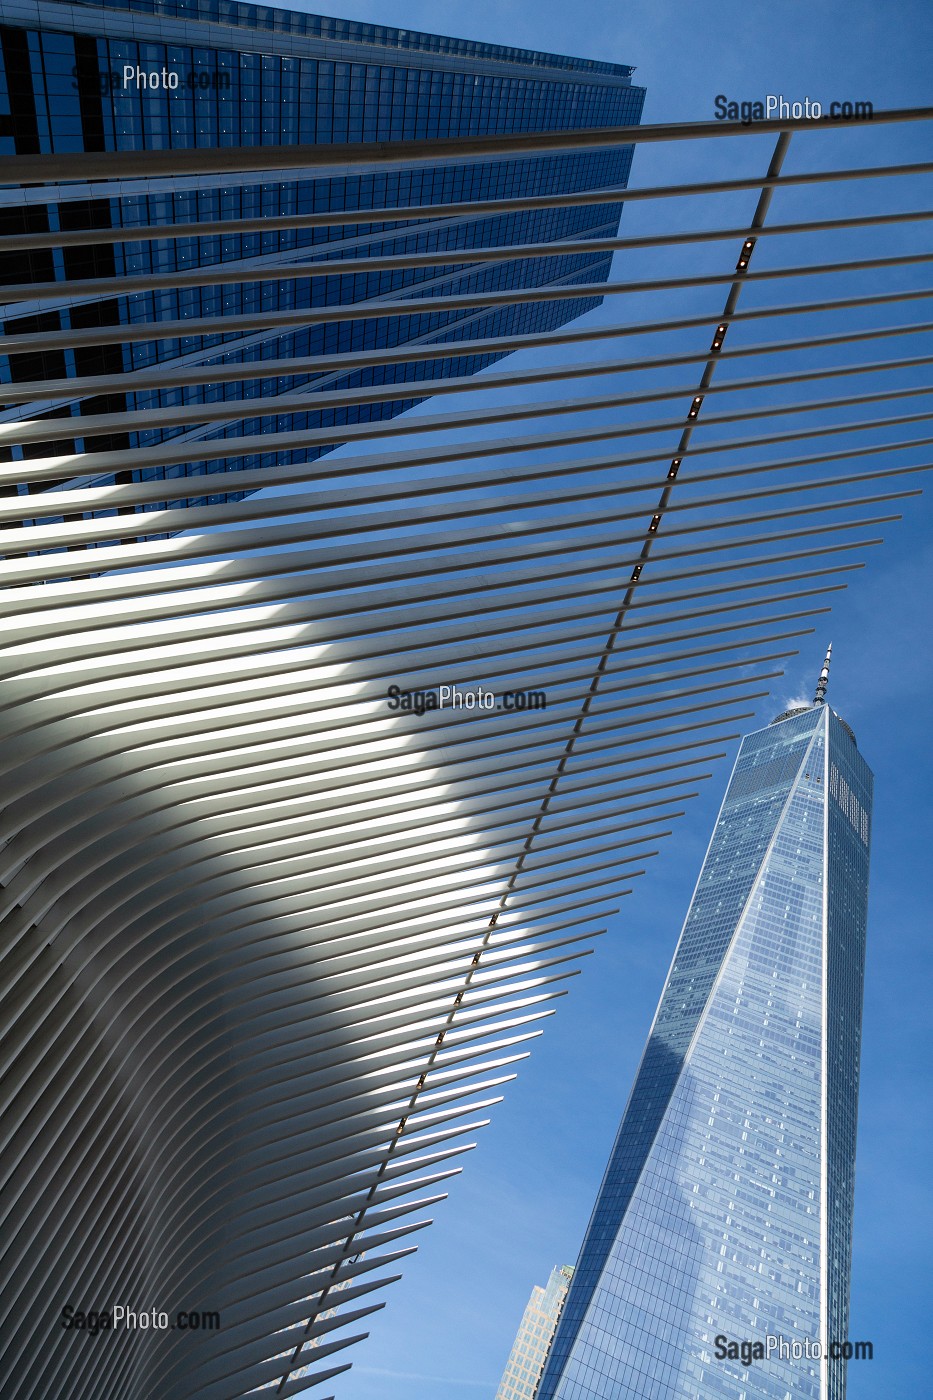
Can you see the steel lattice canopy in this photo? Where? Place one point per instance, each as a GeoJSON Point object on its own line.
{"type": "Point", "coordinates": [274, 946]}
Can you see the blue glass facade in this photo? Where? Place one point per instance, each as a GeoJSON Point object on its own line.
{"type": "Point", "coordinates": [247, 75]}
{"type": "Point", "coordinates": [726, 1208]}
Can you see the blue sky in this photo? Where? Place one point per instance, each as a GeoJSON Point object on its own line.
{"type": "Point", "coordinates": [522, 1204]}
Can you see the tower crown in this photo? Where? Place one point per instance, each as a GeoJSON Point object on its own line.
{"type": "Point", "coordinates": [819, 698]}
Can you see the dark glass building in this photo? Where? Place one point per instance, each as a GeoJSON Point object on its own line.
{"type": "Point", "coordinates": [725, 1213]}
{"type": "Point", "coordinates": [127, 75]}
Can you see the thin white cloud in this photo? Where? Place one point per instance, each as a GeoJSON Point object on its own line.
{"type": "Point", "coordinates": [417, 1376]}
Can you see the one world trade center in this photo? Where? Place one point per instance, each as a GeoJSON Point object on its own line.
{"type": "Point", "coordinates": [716, 1262]}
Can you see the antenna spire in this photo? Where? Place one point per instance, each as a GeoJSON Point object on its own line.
{"type": "Point", "coordinates": [819, 697]}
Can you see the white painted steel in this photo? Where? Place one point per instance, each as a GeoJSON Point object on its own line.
{"type": "Point", "coordinates": [270, 945]}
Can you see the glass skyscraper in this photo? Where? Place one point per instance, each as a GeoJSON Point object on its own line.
{"type": "Point", "coordinates": [127, 75]}
{"type": "Point", "coordinates": [726, 1208]}
{"type": "Point", "coordinates": [535, 1334]}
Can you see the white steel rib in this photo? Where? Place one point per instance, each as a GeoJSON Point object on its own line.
{"type": "Point", "coordinates": [275, 934]}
